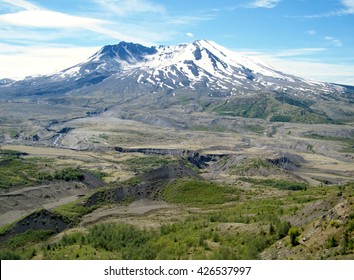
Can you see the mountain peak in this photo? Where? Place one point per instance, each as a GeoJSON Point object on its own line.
{"type": "Point", "coordinates": [201, 42]}
{"type": "Point", "coordinates": [207, 43]}
{"type": "Point", "coordinates": [129, 52]}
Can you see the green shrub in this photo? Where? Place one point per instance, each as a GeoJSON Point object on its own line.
{"type": "Point", "coordinates": [8, 255]}
{"type": "Point", "coordinates": [331, 242]}
{"type": "Point", "coordinates": [294, 233]}
{"type": "Point", "coordinates": [283, 229]}
{"type": "Point", "coordinates": [334, 223]}
{"type": "Point", "coordinates": [69, 174]}
{"type": "Point", "coordinates": [279, 118]}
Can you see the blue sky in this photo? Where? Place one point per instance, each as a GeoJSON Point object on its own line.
{"type": "Point", "coordinates": [309, 38]}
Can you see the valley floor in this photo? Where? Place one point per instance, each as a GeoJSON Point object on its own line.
{"type": "Point", "coordinates": [213, 188]}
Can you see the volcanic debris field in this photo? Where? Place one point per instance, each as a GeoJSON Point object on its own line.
{"type": "Point", "coordinates": [265, 191]}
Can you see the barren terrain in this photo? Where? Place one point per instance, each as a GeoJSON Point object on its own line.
{"type": "Point", "coordinates": [270, 175]}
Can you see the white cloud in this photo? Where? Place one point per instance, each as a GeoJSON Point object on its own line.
{"type": "Point", "coordinates": [20, 35]}
{"type": "Point", "coordinates": [47, 19]}
{"type": "Point", "coordinates": [19, 62]}
{"type": "Point", "coordinates": [334, 41]}
{"type": "Point", "coordinates": [298, 52]}
{"type": "Point", "coordinates": [284, 53]}
{"type": "Point", "coordinates": [269, 4]}
{"type": "Point", "coordinates": [188, 20]}
{"type": "Point", "coordinates": [312, 32]}
{"type": "Point", "coordinates": [142, 39]}
{"type": "Point", "coordinates": [29, 23]}
{"type": "Point", "coordinates": [50, 19]}
{"type": "Point", "coordinates": [190, 35]}
{"type": "Point", "coordinates": [128, 7]}
{"type": "Point", "coordinates": [324, 72]}
{"type": "Point", "coordinates": [349, 5]}
{"type": "Point", "coordinates": [306, 68]}
{"type": "Point", "coordinates": [21, 3]}
{"type": "Point", "coordinates": [32, 19]}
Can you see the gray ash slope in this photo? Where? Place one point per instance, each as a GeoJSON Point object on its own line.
{"type": "Point", "coordinates": [202, 66]}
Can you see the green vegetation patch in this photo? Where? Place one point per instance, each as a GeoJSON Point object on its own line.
{"type": "Point", "coordinates": [279, 184]}
{"type": "Point", "coordinates": [5, 228]}
{"type": "Point", "coordinates": [74, 211]}
{"type": "Point", "coordinates": [28, 237]}
{"type": "Point", "coordinates": [279, 118]}
{"type": "Point", "coordinates": [194, 238]}
{"type": "Point", "coordinates": [9, 255]}
{"type": "Point", "coordinates": [198, 192]}
{"type": "Point", "coordinates": [276, 109]}
{"type": "Point", "coordinates": [251, 106]}
{"type": "Point", "coordinates": [98, 174]}
{"type": "Point", "coordinates": [134, 181]}
{"type": "Point", "coordinates": [240, 230]}
{"type": "Point", "coordinates": [147, 163]}
{"type": "Point", "coordinates": [18, 171]}
{"type": "Point", "coordinates": [251, 164]}
{"type": "Point", "coordinates": [10, 153]}
{"type": "Point", "coordinates": [347, 240]}
{"type": "Point", "coordinates": [69, 174]}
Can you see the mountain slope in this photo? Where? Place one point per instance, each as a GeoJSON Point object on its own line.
{"type": "Point", "coordinates": [200, 70]}
{"type": "Point", "coordinates": [199, 66]}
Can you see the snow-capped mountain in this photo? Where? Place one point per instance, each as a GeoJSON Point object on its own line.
{"type": "Point", "coordinates": [202, 66]}
{"type": "Point", "coordinates": [197, 66]}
